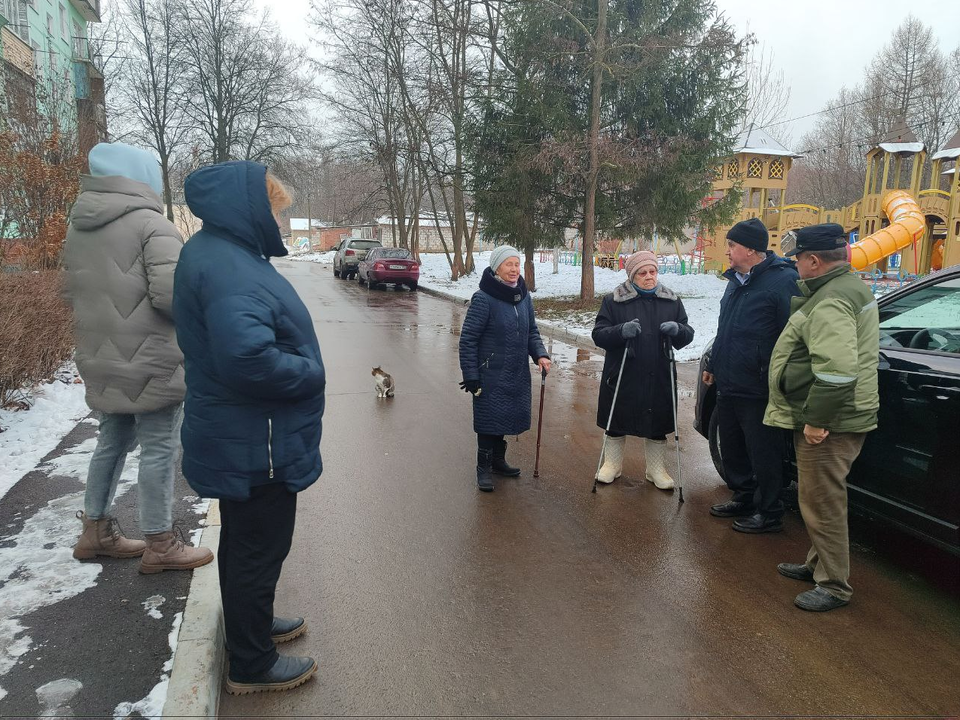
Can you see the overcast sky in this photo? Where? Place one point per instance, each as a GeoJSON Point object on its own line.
{"type": "Point", "coordinates": [821, 45]}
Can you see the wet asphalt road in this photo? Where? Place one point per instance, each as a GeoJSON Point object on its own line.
{"type": "Point", "coordinates": [426, 597]}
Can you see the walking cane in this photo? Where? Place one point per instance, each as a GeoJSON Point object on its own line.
{"type": "Point", "coordinates": [616, 391]}
{"type": "Point", "coordinates": [543, 386]}
{"type": "Point", "coordinates": [676, 425]}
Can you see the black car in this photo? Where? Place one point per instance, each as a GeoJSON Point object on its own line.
{"type": "Point", "coordinates": [908, 473]}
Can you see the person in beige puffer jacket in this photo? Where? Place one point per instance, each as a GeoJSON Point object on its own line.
{"type": "Point", "coordinates": [120, 255]}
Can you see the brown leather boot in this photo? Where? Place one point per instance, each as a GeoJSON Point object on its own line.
{"type": "Point", "coordinates": [103, 538]}
{"type": "Point", "coordinates": [167, 551]}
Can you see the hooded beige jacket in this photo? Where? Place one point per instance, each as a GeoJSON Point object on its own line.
{"type": "Point", "coordinates": [120, 255]}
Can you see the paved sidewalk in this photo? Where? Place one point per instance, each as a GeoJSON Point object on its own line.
{"type": "Point", "coordinates": [82, 639]}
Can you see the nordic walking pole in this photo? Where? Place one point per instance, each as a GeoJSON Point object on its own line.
{"type": "Point", "coordinates": [616, 391]}
{"type": "Point", "coordinates": [543, 386]}
{"type": "Point", "coordinates": [676, 425]}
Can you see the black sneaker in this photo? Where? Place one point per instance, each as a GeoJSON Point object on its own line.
{"type": "Point", "coordinates": [732, 508]}
{"type": "Point", "coordinates": [286, 674]}
{"type": "Point", "coordinates": [758, 524]}
{"type": "Point", "coordinates": [286, 629]}
{"type": "Point", "coordinates": [796, 571]}
{"type": "Point", "coordinates": [818, 600]}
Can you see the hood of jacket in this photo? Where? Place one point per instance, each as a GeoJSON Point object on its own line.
{"type": "Point", "coordinates": [231, 199]}
{"type": "Point", "coordinates": [122, 160]}
{"type": "Point", "coordinates": [104, 199]}
{"type": "Point", "coordinates": [771, 262]}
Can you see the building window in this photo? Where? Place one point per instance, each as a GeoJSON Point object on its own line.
{"type": "Point", "coordinates": [733, 169]}
{"type": "Point", "coordinates": [64, 30]}
{"type": "Point", "coordinates": [755, 168]}
{"type": "Point", "coordinates": [776, 169]}
{"type": "Point", "coordinates": [49, 25]}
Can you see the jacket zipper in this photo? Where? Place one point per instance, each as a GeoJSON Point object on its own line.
{"type": "Point", "coordinates": [270, 444]}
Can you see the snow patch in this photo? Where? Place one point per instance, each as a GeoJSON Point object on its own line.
{"type": "Point", "coordinates": [700, 293]}
{"type": "Point", "coordinates": [325, 258]}
{"type": "Point", "coordinates": [152, 606]}
{"type": "Point", "coordinates": [56, 695]}
{"type": "Point", "coordinates": [29, 435]}
{"type": "Point", "coordinates": [152, 704]}
{"type": "Point", "coordinates": [39, 568]}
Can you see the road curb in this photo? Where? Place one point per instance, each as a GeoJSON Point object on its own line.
{"type": "Point", "coordinates": [551, 330]}
{"type": "Point", "coordinates": [194, 688]}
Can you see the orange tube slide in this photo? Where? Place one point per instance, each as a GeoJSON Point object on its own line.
{"type": "Point", "coordinates": [907, 224]}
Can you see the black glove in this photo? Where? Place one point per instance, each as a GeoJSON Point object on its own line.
{"type": "Point", "coordinates": [471, 386]}
{"type": "Point", "coordinates": [670, 328]}
{"type": "Point", "coordinates": [630, 329]}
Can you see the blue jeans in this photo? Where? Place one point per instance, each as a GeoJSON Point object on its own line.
{"type": "Point", "coordinates": [157, 434]}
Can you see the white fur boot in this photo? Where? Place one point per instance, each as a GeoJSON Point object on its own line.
{"type": "Point", "coordinates": [612, 460]}
{"type": "Point", "coordinates": [654, 451]}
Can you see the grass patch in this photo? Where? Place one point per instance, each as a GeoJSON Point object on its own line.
{"type": "Point", "coordinates": [556, 307]}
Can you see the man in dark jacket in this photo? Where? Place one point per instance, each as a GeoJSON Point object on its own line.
{"type": "Point", "coordinates": [753, 312]}
{"type": "Point", "coordinates": [253, 408]}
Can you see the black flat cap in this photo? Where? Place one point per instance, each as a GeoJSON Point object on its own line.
{"type": "Point", "coordinates": [828, 236]}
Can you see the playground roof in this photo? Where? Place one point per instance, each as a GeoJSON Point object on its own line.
{"type": "Point", "coordinates": [950, 150]}
{"type": "Point", "coordinates": [900, 139]}
{"type": "Point", "coordinates": [758, 142]}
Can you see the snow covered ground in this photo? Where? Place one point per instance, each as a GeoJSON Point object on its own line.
{"type": "Point", "coordinates": [700, 293]}
{"type": "Point", "coordinates": [28, 435]}
{"type": "Point", "coordinates": [325, 258]}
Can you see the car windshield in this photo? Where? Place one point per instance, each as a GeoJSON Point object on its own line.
{"type": "Point", "coordinates": [364, 244]}
{"type": "Point", "coordinates": [394, 253]}
{"type": "Point", "coordinates": [927, 319]}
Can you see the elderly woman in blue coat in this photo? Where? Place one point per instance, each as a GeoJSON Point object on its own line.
{"type": "Point", "coordinates": [253, 409]}
{"type": "Point", "coordinates": [498, 335]}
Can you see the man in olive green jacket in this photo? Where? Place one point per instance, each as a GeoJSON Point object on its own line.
{"type": "Point", "coordinates": [823, 386]}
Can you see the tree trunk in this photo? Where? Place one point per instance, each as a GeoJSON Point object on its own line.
{"type": "Point", "coordinates": [167, 192]}
{"type": "Point", "coordinates": [593, 172]}
{"type": "Point", "coordinates": [529, 273]}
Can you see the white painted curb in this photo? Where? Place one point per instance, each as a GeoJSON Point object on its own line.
{"type": "Point", "coordinates": [194, 688]}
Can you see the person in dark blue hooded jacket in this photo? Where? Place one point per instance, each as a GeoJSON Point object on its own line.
{"type": "Point", "coordinates": [252, 414]}
{"type": "Point", "coordinates": [753, 312]}
{"type": "Point", "coordinates": [498, 334]}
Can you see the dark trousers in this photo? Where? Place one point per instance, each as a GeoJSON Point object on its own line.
{"type": "Point", "coordinates": [255, 537]}
{"type": "Point", "coordinates": [753, 454]}
{"type": "Point", "coordinates": [489, 442]}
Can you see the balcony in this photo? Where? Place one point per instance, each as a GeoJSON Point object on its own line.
{"type": "Point", "coordinates": [18, 53]}
{"type": "Point", "coordinates": [82, 53]}
{"type": "Point", "coordinates": [89, 9]}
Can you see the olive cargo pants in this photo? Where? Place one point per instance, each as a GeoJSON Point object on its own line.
{"type": "Point", "coordinates": [822, 490]}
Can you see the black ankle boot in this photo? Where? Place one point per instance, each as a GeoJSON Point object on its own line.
{"type": "Point", "coordinates": [484, 479]}
{"type": "Point", "coordinates": [499, 465]}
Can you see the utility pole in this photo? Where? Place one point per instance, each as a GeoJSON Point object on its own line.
{"type": "Point", "coordinates": [309, 221]}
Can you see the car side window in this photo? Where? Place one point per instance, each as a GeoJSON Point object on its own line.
{"type": "Point", "coordinates": [926, 319]}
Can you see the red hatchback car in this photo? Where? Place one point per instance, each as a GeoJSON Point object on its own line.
{"type": "Point", "coordinates": [389, 266]}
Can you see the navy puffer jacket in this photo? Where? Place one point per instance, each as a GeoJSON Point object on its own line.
{"type": "Point", "coordinates": [752, 316]}
{"type": "Point", "coordinates": [498, 335]}
{"type": "Point", "coordinates": [255, 378]}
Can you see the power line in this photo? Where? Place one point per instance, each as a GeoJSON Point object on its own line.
{"type": "Point", "coordinates": [954, 76]}
{"type": "Point", "coordinates": [869, 138]}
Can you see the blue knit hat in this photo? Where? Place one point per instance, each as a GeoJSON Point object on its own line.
{"type": "Point", "coordinates": [120, 159]}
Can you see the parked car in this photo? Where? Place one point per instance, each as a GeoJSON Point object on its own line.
{"type": "Point", "coordinates": [389, 266]}
{"type": "Point", "coordinates": [349, 252]}
{"type": "Point", "coordinates": [908, 473]}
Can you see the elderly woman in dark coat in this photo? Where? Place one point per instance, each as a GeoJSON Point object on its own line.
{"type": "Point", "coordinates": [498, 334]}
{"type": "Point", "coordinates": [645, 316]}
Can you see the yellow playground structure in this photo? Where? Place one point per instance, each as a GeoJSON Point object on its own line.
{"type": "Point", "coordinates": [906, 207]}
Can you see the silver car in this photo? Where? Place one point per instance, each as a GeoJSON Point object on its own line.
{"type": "Point", "coordinates": [350, 252]}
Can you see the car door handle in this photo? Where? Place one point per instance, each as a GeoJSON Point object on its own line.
{"type": "Point", "coordinates": [941, 393]}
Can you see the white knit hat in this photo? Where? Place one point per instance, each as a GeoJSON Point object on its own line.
{"type": "Point", "coordinates": [502, 253]}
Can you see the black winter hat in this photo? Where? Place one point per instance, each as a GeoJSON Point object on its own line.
{"type": "Point", "coordinates": [750, 233]}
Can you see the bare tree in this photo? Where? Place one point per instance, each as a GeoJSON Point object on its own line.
{"type": "Point", "coordinates": [767, 92]}
{"type": "Point", "coordinates": [152, 83]}
{"type": "Point", "coordinates": [250, 95]}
